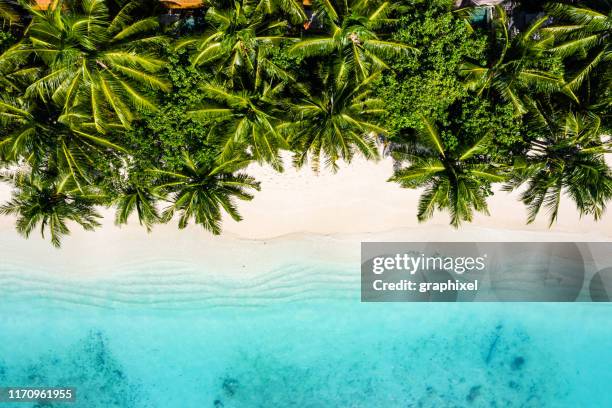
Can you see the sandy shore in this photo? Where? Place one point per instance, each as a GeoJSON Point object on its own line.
{"type": "Point", "coordinates": [298, 215]}
{"type": "Point", "coordinates": [358, 199]}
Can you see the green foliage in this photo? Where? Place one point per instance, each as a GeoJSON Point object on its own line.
{"type": "Point", "coordinates": [88, 59]}
{"type": "Point", "coordinates": [201, 189]}
{"type": "Point", "coordinates": [567, 156]}
{"type": "Point", "coordinates": [6, 40]}
{"type": "Point", "coordinates": [473, 118]}
{"type": "Point", "coordinates": [457, 179]}
{"type": "Point", "coordinates": [100, 105]}
{"type": "Point", "coordinates": [238, 39]}
{"type": "Point", "coordinates": [162, 136]}
{"type": "Point", "coordinates": [9, 14]}
{"type": "Point", "coordinates": [428, 84]}
{"type": "Point", "coordinates": [518, 70]}
{"type": "Point", "coordinates": [48, 202]}
{"type": "Point", "coordinates": [583, 35]}
{"type": "Point", "coordinates": [242, 121]}
{"type": "Point", "coordinates": [355, 36]}
{"type": "Point", "coordinates": [335, 122]}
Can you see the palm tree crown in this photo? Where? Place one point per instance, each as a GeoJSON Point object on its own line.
{"type": "Point", "coordinates": [91, 59]}
{"type": "Point", "coordinates": [514, 74]}
{"type": "Point", "coordinates": [49, 202]}
{"type": "Point", "coordinates": [140, 199]}
{"type": "Point", "coordinates": [246, 121]}
{"type": "Point", "coordinates": [566, 157]}
{"type": "Point", "coordinates": [202, 189]}
{"type": "Point", "coordinates": [239, 38]}
{"type": "Point", "coordinates": [335, 121]}
{"type": "Point", "coordinates": [355, 35]}
{"type": "Point", "coordinates": [43, 137]}
{"type": "Point", "coordinates": [585, 34]}
{"type": "Point", "coordinates": [457, 181]}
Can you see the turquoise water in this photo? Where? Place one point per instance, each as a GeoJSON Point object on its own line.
{"type": "Point", "coordinates": [293, 337]}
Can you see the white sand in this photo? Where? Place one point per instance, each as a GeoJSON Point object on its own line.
{"type": "Point", "coordinates": [297, 215]}
{"type": "Point", "coordinates": [359, 199]}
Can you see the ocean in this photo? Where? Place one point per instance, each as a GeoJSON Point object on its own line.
{"type": "Point", "coordinates": [171, 334]}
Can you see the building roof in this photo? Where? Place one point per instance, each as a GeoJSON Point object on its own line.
{"type": "Point", "coordinates": [42, 4]}
{"type": "Point", "coordinates": [182, 4]}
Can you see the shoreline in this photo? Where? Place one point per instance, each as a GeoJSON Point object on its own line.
{"type": "Point", "coordinates": [356, 200]}
{"type": "Point", "coordinates": [298, 215]}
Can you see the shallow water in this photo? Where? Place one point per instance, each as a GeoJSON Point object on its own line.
{"type": "Point", "coordinates": [296, 336]}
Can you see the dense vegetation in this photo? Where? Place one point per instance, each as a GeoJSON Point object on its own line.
{"type": "Point", "coordinates": [102, 104]}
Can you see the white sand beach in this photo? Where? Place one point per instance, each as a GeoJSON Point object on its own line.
{"type": "Point", "coordinates": [297, 215]}
{"type": "Point", "coordinates": [358, 199]}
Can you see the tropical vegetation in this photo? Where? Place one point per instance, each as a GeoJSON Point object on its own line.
{"type": "Point", "coordinates": [110, 103]}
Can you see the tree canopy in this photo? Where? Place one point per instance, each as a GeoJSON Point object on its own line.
{"type": "Point", "coordinates": [111, 104]}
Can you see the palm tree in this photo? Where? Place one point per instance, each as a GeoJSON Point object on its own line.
{"type": "Point", "coordinates": [8, 12]}
{"type": "Point", "coordinates": [333, 122]}
{"type": "Point", "coordinates": [356, 35]}
{"type": "Point", "coordinates": [586, 36]}
{"type": "Point", "coordinates": [455, 181]}
{"type": "Point", "coordinates": [11, 72]}
{"type": "Point", "coordinates": [514, 74]}
{"type": "Point", "coordinates": [245, 121]}
{"type": "Point", "coordinates": [566, 157]}
{"type": "Point", "coordinates": [143, 200]}
{"type": "Point", "coordinates": [48, 202]}
{"type": "Point", "coordinates": [91, 59]}
{"type": "Point", "coordinates": [202, 189]}
{"type": "Point", "coordinates": [42, 136]}
{"type": "Point", "coordinates": [240, 36]}
{"type": "Point", "coordinates": [290, 8]}
{"type": "Point", "coordinates": [14, 75]}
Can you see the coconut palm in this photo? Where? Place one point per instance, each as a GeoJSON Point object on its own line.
{"type": "Point", "coordinates": [240, 37]}
{"type": "Point", "coordinates": [457, 181]}
{"type": "Point", "coordinates": [15, 75]}
{"type": "Point", "coordinates": [356, 34]}
{"type": "Point", "coordinates": [92, 59]}
{"type": "Point", "coordinates": [334, 121]}
{"type": "Point", "coordinates": [290, 8]}
{"type": "Point", "coordinates": [567, 157]}
{"type": "Point", "coordinates": [49, 202]}
{"type": "Point", "coordinates": [140, 199]}
{"type": "Point", "coordinates": [41, 135]}
{"type": "Point", "coordinates": [11, 70]}
{"type": "Point", "coordinates": [202, 189]}
{"type": "Point", "coordinates": [8, 12]}
{"type": "Point", "coordinates": [585, 34]}
{"type": "Point", "coordinates": [513, 74]}
{"type": "Point", "coordinates": [245, 121]}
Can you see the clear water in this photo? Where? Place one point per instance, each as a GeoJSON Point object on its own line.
{"type": "Point", "coordinates": [294, 337]}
